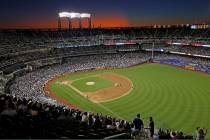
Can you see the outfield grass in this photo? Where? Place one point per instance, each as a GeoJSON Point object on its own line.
{"type": "Point", "coordinates": [100, 83]}
{"type": "Point", "coordinates": [177, 99]}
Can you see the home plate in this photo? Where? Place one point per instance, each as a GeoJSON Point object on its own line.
{"type": "Point", "coordinates": [90, 83]}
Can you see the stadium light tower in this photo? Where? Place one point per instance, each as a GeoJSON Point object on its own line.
{"type": "Point", "coordinates": [87, 16]}
{"type": "Point", "coordinates": [72, 15]}
{"type": "Point", "coordinates": [76, 16]}
{"type": "Point", "coordinates": [64, 15]}
{"type": "Point", "coordinates": [59, 23]}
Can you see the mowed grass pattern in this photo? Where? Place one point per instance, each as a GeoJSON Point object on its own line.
{"type": "Point", "coordinates": [100, 83]}
{"type": "Point", "coordinates": [177, 99]}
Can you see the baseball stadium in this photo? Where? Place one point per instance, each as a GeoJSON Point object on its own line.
{"type": "Point", "coordinates": [148, 82]}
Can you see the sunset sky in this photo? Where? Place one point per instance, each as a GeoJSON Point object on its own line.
{"type": "Point", "coordinates": [107, 13]}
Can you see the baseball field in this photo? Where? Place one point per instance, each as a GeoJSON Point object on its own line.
{"type": "Point", "coordinates": [177, 99]}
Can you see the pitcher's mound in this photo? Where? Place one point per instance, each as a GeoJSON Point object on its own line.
{"type": "Point", "coordinates": [90, 83]}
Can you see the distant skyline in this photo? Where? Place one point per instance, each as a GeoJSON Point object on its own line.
{"type": "Point", "coordinates": [107, 13]}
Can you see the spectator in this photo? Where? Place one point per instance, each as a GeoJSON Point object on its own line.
{"type": "Point", "coordinates": [10, 110]}
{"type": "Point", "coordinates": [84, 120]}
{"type": "Point", "coordinates": [151, 127]}
{"type": "Point", "coordinates": [90, 120]}
{"type": "Point", "coordinates": [138, 124]}
{"type": "Point", "coordinates": [200, 133]}
{"type": "Point", "coordinates": [173, 135]}
{"type": "Point", "coordinates": [180, 135]}
{"type": "Point", "coordinates": [97, 123]}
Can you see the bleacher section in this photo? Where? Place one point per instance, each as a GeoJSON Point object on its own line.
{"type": "Point", "coordinates": [36, 56]}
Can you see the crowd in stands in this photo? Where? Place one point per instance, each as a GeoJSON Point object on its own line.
{"type": "Point", "coordinates": [23, 118]}
{"type": "Point", "coordinates": [28, 113]}
{"type": "Point", "coordinates": [182, 49]}
{"type": "Point", "coordinates": [22, 46]}
{"type": "Point", "coordinates": [195, 60]}
{"type": "Point", "coordinates": [19, 41]}
{"type": "Point", "coordinates": [26, 119]}
{"type": "Point", "coordinates": [30, 85]}
{"type": "Point", "coordinates": [167, 134]}
{"type": "Point", "coordinates": [189, 50]}
{"type": "Point", "coordinates": [198, 64]}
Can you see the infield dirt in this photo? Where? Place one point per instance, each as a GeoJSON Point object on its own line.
{"type": "Point", "coordinates": [123, 86]}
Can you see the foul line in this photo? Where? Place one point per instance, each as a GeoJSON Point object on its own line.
{"type": "Point", "coordinates": [84, 77]}
{"type": "Point", "coordinates": [75, 89]}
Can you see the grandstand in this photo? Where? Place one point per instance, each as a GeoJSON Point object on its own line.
{"type": "Point", "coordinates": [30, 58]}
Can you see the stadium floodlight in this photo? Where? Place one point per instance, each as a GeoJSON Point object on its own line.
{"type": "Point", "coordinates": [64, 14]}
{"type": "Point", "coordinates": [85, 15]}
{"type": "Point", "coordinates": [75, 15]}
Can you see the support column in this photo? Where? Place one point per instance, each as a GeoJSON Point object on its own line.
{"type": "Point", "coordinates": [80, 23]}
{"type": "Point", "coordinates": [59, 23]}
{"type": "Point", "coordinates": [70, 23]}
{"type": "Point", "coordinates": [90, 23]}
